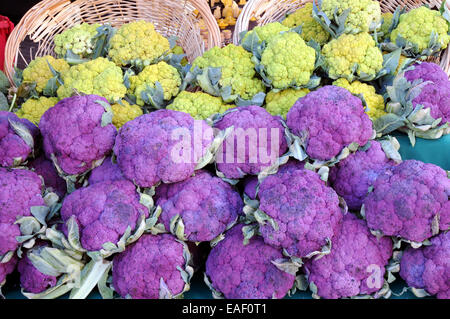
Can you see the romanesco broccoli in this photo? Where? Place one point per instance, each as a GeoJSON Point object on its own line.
{"type": "Point", "coordinates": [311, 29]}
{"type": "Point", "coordinates": [199, 104]}
{"type": "Point", "coordinates": [124, 112]}
{"type": "Point", "coordinates": [33, 109]}
{"type": "Point", "coordinates": [350, 54]}
{"type": "Point", "coordinates": [279, 103]}
{"type": "Point", "coordinates": [375, 102]}
{"type": "Point", "coordinates": [39, 72]}
{"type": "Point", "coordinates": [137, 42]}
{"type": "Point", "coordinates": [100, 77]}
{"type": "Point", "coordinates": [78, 39]}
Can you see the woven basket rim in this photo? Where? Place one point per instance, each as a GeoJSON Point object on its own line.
{"type": "Point", "coordinates": [258, 8]}
{"type": "Point", "coordinates": [32, 22]}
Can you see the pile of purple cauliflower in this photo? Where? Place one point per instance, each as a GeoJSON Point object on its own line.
{"type": "Point", "coordinates": [146, 210]}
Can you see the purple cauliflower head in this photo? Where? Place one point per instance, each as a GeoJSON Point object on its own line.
{"type": "Point", "coordinates": [150, 264]}
{"type": "Point", "coordinates": [162, 146]}
{"type": "Point", "coordinates": [427, 71]}
{"type": "Point", "coordinates": [241, 271]}
{"type": "Point", "coordinates": [328, 120]}
{"type": "Point", "coordinates": [305, 210]}
{"type": "Point", "coordinates": [108, 171]}
{"type": "Point", "coordinates": [205, 203]}
{"type": "Point", "coordinates": [31, 279]}
{"type": "Point", "coordinates": [48, 172]}
{"type": "Point", "coordinates": [7, 268]}
{"type": "Point", "coordinates": [78, 133]}
{"type": "Point", "coordinates": [410, 201]}
{"type": "Point", "coordinates": [103, 212]}
{"type": "Point", "coordinates": [17, 139]}
{"type": "Point", "coordinates": [256, 141]}
{"type": "Point", "coordinates": [19, 191]}
{"type": "Point", "coordinates": [428, 267]}
{"type": "Point", "coordinates": [355, 265]}
{"type": "Point", "coordinates": [352, 177]}
{"type": "Point", "coordinates": [250, 185]}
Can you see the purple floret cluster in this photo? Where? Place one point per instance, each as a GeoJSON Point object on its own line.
{"type": "Point", "coordinates": [103, 212]}
{"type": "Point", "coordinates": [45, 168]}
{"type": "Point", "coordinates": [73, 133]}
{"type": "Point", "coordinates": [241, 271]}
{"type": "Point", "coordinates": [256, 142]}
{"type": "Point", "coordinates": [206, 204]}
{"type": "Point", "coordinates": [436, 94]}
{"type": "Point", "coordinates": [163, 146]}
{"type": "Point", "coordinates": [138, 271]}
{"type": "Point", "coordinates": [108, 171]}
{"type": "Point", "coordinates": [356, 264]}
{"type": "Point", "coordinates": [19, 191]}
{"type": "Point", "coordinates": [14, 148]}
{"type": "Point", "coordinates": [7, 268]}
{"type": "Point", "coordinates": [328, 120]}
{"type": "Point", "coordinates": [352, 177]}
{"type": "Point", "coordinates": [410, 201]}
{"type": "Point", "coordinates": [429, 267]}
{"type": "Point", "coordinates": [305, 210]}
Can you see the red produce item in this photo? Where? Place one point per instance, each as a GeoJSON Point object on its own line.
{"type": "Point", "coordinates": [6, 27]}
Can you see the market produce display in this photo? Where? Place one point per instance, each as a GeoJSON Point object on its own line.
{"type": "Point", "coordinates": [264, 167]}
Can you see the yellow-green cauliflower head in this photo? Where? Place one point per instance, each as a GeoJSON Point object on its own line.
{"type": "Point", "coordinates": [79, 39]}
{"type": "Point", "coordinates": [311, 29]}
{"type": "Point", "coordinates": [387, 22]}
{"type": "Point", "coordinates": [137, 41]}
{"type": "Point", "coordinates": [100, 76]}
{"type": "Point", "coordinates": [418, 25]}
{"type": "Point", "coordinates": [238, 70]}
{"type": "Point", "coordinates": [267, 31]}
{"type": "Point", "coordinates": [165, 74]}
{"type": "Point", "coordinates": [375, 102]}
{"type": "Point", "coordinates": [33, 109]}
{"type": "Point", "coordinates": [288, 61]}
{"type": "Point", "coordinates": [279, 103]}
{"type": "Point", "coordinates": [124, 112]}
{"type": "Point", "coordinates": [38, 70]}
{"type": "Point", "coordinates": [365, 15]}
{"type": "Point", "coordinates": [199, 105]}
{"type": "Point", "coordinates": [349, 52]}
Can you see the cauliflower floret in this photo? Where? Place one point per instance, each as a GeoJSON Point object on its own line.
{"type": "Point", "coordinates": [375, 102]}
{"type": "Point", "coordinates": [288, 61]}
{"type": "Point", "coordinates": [409, 201]}
{"type": "Point", "coordinates": [33, 109]}
{"type": "Point", "coordinates": [124, 112]}
{"type": "Point", "coordinates": [78, 39]}
{"type": "Point", "coordinates": [48, 172]}
{"type": "Point", "coordinates": [364, 15]}
{"type": "Point", "coordinates": [165, 74]}
{"type": "Point", "coordinates": [387, 22]}
{"type": "Point", "coordinates": [279, 103]}
{"type": "Point", "coordinates": [100, 77]}
{"type": "Point", "coordinates": [200, 105]}
{"type": "Point", "coordinates": [7, 268]}
{"type": "Point", "coordinates": [350, 51]}
{"type": "Point", "coordinates": [39, 72]}
{"type": "Point", "coordinates": [311, 29]}
{"type": "Point", "coordinates": [108, 171]}
{"type": "Point", "coordinates": [137, 41]}
{"type": "Point", "coordinates": [417, 26]}
{"type": "Point", "coordinates": [238, 70]}
{"type": "Point", "coordinates": [239, 271]}
{"type": "Point", "coordinates": [267, 31]}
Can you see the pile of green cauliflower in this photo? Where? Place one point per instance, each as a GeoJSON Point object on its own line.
{"type": "Point", "coordinates": [90, 197]}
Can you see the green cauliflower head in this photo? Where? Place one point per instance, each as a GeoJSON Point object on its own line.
{"type": "Point", "coordinates": [352, 54]}
{"type": "Point", "coordinates": [199, 105]}
{"type": "Point", "coordinates": [33, 109]}
{"type": "Point", "coordinates": [364, 15]}
{"type": "Point", "coordinates": [288, 61]}
{"type": "Point", "coordinates": [311, 29]}
{"type": "Point", "coordinates": [39, 72]}
{"type": "Point", "coordinates": [417, 27]}
{"type": "Point", "coordinates": [79, 39]}
{"type": "Point", "coordinates": [279, 103]}
{"type": "Point", "coordinates": [237, 68]}
{"type": "Point", "coordinates": [267, 32]}
{"type": "Point", "coordinates": [137, 42]}
{"type": "Point", "coordinates": [167, 75]}
{"type": "Point", "coordinates": [388, 18]}
{"type": "Point", "coordinates": [100, 77]}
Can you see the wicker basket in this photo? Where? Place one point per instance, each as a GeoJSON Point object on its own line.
{"type": "Point", "coordinates": [190, 20]}
{"type": "Point", "coordinates": [266, 11]}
